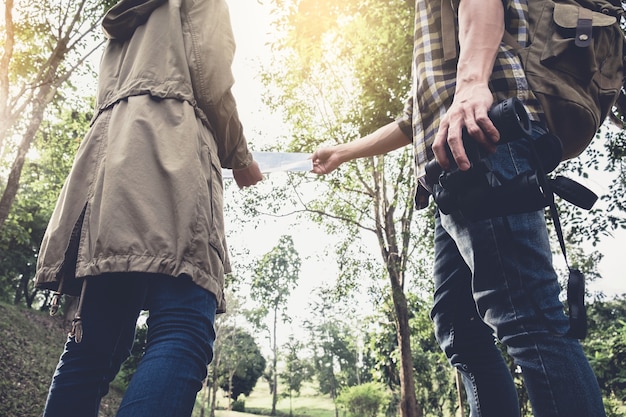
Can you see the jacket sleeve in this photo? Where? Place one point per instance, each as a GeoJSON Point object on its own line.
{"type": "Point", "coordinates": [210, 48]}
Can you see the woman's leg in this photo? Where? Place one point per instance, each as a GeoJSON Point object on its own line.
{"type": "Point", "coordinates": [179, 348]}
{"type": "Point", "coordinates": [111, 306]}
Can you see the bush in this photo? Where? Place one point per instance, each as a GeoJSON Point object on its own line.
{"type": "Point", "coordinates": [239, 405]}
{"type": "Point", "coordinates": [364, 400]}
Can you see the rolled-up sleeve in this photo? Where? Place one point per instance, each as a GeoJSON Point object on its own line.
{"type": "Point", "coordinates": [405, 121]}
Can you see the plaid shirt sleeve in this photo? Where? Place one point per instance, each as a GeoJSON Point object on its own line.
{"type": "Point", "coordinates": [405, 121]}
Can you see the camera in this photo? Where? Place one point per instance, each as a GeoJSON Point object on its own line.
{"type": "Point", "coordinates": [479, 192]}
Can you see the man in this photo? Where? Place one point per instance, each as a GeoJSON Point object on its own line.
{"type": "Point", "coordinates": [139, 222]}
{"type": "Point", "coordinates": [494, 276]}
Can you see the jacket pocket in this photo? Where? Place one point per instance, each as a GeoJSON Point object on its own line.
{"type": "Point", "coordinates": [215, 187]}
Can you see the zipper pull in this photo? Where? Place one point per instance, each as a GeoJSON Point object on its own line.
{"type": "Point", "coordinates": [77, 329]}
{"type": "Point", "coordinates": [55, 303]}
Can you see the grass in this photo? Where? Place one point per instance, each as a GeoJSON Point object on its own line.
{"type": "Point", "coordinates": [30, 345]}
{"type": "Point", "coordinates": [308, 404]}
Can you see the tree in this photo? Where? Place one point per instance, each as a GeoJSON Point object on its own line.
{"type": "Point", "coordinates": [606, 346]}
{"type": "Point", "coordinates": [333, 339]}
{"type": "Point", "coordinates": [45, 43]}
{"type": "Point", "coordinates": [275, 275]}
{"type": "Point", "coordinates": [55, 145]}
{"type": "Point", "coordinates": [342, 70]}
{"type": "Point", "coordinates": [435, 384]}
{"type": "Point", "coordinates": [297, 370]}
{"type": "Point", "coordinates": [241, 363]}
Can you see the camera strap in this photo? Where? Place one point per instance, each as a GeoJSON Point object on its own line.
{"type": "Point", "coordinates": [576, 279]}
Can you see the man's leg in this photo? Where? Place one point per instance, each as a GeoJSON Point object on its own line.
{"type": "Point", "coordinates": [516, 291]}
{"type": "Point", "coordinates": [469, 343]}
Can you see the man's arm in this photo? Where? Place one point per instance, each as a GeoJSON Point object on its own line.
{"type": "Point", "coordinates": [382, 141]}
{"type": "Point", "coordinates": [481, 26]}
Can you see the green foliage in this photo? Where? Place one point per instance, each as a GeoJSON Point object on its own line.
{"type": "Point", "coordinates": [342, 70]}
{"type": "Point", "coordinates": [602, 163]}
{"type": "Point", "coordinates": [276, 275]}
{"type": "Point", "coordinates": [335, 357]}
{"type": "Point", "coordinates": [19, 246]}
{"type": "Point", "coordinates": [42, 178]}
{"type": "Point", "coordinates": [45, 44]}
{"type": "Point", "coordinates": [365, 400]}
{"type": "Point", "coordinates": [136, 353]}
{"type": "Point", "coordinates": [297, 369]}
{"type": "Point", "coordinates": [239, 405]}
{"type": "Point", "coordinates": [334, 340]}
{"type": "Point", "coordinates": [241, 363]}
{"type": "Point", "coordinates": [347, 63]}
{"type": "Point", "coordinates": [434, 377]}
{"type": "Point", "coordinates": [605, 345]}
{"type": "Point", "coordinates": [39, 26]}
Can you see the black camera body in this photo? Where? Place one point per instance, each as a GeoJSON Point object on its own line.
{"type": "Point", "coordinates": [479, 193]}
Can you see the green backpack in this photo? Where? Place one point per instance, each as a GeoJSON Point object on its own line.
{"type": "Point", "coordinates": [574, 64]}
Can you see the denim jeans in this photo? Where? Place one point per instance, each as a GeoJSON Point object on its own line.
{"type": "Point", "coordinates": [179, 347]}
{"type": "Point", "coordinates": [494, 279]}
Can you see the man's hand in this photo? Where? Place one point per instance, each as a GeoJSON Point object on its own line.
{"type": "Point", "coordinates": [469, 112]}
{"type": "Point", "coordinates": [481, 25]}
{"type": "Point", "coordinates": [248, 176]}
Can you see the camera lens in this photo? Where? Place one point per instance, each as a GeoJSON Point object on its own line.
{"type": "Point", "coordinates": [511, 119]}
{"type": "Point", "coordinates": [433, 171]}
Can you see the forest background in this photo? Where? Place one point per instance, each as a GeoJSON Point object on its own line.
{"type": "Point", "coordinates": [332, 275]}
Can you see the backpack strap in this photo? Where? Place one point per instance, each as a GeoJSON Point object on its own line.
{"type": "Point", "coordinates": [575, 281]}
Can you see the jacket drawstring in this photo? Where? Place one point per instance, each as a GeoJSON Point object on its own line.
{"type": "Point", "coordinates": [55, 304]}
{"type": "Point", "coordinates": [77, 322]}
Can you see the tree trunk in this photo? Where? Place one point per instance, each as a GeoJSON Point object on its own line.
{"type": "Point", "coordinates": [230, 389]}
{"type": "Point", "coordinates": [274, 364]}
{"type": "Point", "coordinates": [408, 400]}
{"type": "Point", "coordinates": [13, 182]}
{"type": "Point", "coordinates": [214, 391]}
{"type": "Point", "coordinates": [394, 249]}
{"type": "Point", "coordinates": [44, 84]}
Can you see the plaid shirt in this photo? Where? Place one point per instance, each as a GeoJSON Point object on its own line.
{"type": "Point", "coordinates": [434, 79]}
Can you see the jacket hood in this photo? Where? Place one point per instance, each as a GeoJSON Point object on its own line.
{"type": "Point", "coordinates": [122, 19]}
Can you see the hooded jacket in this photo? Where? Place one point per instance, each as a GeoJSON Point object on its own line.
{"type": "Point", "coordinates": [145, 192]}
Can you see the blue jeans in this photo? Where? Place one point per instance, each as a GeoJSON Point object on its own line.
{"type": "Point", "coordinates": [179, 347]}
{"type": "Point", "coordinates": [494, 279]}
